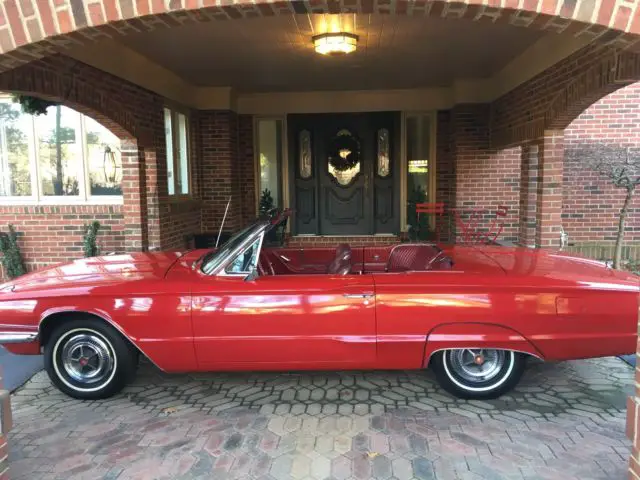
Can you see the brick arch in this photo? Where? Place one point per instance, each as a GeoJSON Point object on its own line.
{"type": "Point", "coordinates": [67, 88]}
{"type": "Point", "coordinates": [33, 29]}
{"type": "Point", "coordinates": [611, 73]}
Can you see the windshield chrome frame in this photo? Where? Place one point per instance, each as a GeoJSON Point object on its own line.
{"type": "Point", "coordinates": [239, 251]}
{"type": "Point", "coordinates": [261, 227]}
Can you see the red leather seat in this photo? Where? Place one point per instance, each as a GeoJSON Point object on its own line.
{"type": "Point", "coordinates": [411, 257]}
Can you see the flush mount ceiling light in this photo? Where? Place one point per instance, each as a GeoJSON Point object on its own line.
{"type": "Point", "coordinates": [339, 43]}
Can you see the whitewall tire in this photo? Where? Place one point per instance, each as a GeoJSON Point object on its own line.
{"type": "Point", "coordinates": [88, 359]}
{"type": "Point", "coordinates": [476, 373]}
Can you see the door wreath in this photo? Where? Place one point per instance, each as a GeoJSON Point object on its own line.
{"type": "Point", "coordinates": [344, 151]}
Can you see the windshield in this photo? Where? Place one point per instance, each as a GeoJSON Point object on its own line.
{"type": "Point", "coordinates": [212, 260]}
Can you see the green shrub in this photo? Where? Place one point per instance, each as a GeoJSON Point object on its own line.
{"type": "Point", "coordinates": [89, 240]}
{"type": "Point", "coordinates": [12, 257]}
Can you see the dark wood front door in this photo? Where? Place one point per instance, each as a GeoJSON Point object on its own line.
{"type": "Point", "coordinates": [344, 173]}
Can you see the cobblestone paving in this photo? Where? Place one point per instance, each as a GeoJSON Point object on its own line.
{"type": "Point", "coordinates": [565, 421]}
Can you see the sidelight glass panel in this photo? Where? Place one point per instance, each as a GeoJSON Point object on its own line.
{"type": "Point", "coordinates": [168, 136]}
{"type": "Point", "coordinates": [384, 168]}
{"type": "Point", "coordinates": [418, 149]}
{"type": "Point", "coordinates": [305, 154]}
{"type": "Point", "coordinates": [182, 176]}
{"type": "Point", "coordinates": [270, 161]}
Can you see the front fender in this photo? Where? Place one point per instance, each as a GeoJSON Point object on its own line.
{"type": "Point", "coordinates": [476, 335]}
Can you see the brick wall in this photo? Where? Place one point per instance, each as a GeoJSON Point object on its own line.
{"type": "Point", "coordinates": [53, 234]}
{"type": "Point", "coordinates": [590, 203]}
{"type": "Point", "coordinates": [218, 137]}
{"type": "Point", "coordinates": [484, 178]}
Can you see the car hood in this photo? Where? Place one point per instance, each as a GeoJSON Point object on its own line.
{"type": "Point", "coordinates": [97, 270]}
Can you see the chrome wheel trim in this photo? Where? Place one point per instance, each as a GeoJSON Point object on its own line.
{"type": "Point", "coordinates": [86, 358]}
{"type": "Point", "coordinates": [457, 366]}
{"type": "Point", "coordinates": [95, 349]}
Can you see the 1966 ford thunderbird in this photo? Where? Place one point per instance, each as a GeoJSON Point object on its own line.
{"type": "Point", "coordinates": [472, 314]}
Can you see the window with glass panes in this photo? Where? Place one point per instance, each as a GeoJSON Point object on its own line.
{"type": "Point", "coordinates": [60, 157]}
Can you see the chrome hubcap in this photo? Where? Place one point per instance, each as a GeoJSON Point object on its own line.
{"type": "Point", "coordinates": [476, 365]}
{"type": "Point", "coordinates": [87, 358]}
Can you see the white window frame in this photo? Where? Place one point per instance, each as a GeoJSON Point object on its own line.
{"type": "Point", "coordinates": [84, 196]}
{"type": "Point", "coordinates": [175, 138]}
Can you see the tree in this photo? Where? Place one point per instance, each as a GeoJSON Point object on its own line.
{"type": "Point", "coordinates": [266, 203]}
{"type": "Point", "coordinates": [620, 164]}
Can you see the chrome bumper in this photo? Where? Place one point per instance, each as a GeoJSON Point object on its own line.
{"type": "Point", "coordinates": [17, 337]}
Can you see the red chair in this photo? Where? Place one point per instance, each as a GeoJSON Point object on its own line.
{"type": "Point", "coordinates": [436, 209]}
{"type": "Point", "coordinates": [469, 222]}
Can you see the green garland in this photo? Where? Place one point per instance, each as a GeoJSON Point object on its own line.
{"type": "Point", "coordinates": [33, 105]}
{"type": "Point", "coordinates": [12, 257]}
{"type": "Point", "coordinates": [89, 240]}
{"type": "Point", "coordinates": [344, 142]}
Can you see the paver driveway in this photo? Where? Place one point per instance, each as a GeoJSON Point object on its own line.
{"type": "Point", "coordinates": [564, 421]}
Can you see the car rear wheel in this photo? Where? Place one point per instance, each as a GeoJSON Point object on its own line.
{"type": "Point", "coordinates": [477, 373]}
{"type": "Point", "coordinates": [88, 359]}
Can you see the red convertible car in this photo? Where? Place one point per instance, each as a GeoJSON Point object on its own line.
{"type": "Point", "coordinates": [472, 314]}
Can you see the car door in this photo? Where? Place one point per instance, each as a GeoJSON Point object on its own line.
{"type": "Point", "coordinates": [284, 321]}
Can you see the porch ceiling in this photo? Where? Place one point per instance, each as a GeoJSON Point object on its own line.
{"type": "Point", "coordinates": [275, 54]}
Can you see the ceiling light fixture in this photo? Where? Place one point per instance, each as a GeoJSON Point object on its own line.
{"type": "Point", "coordinates": [339, 43]}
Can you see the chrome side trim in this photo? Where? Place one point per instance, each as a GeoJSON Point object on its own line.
{"type": "Point", "coordinates": [17, 337]}
{"type": "Point", "coordinates": [486, 348]}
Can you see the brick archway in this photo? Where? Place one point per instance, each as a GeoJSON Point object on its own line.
{"type": "Point", "coordinates": [610, 73]}
{"type": "Point", "coordinates": [33, 29]}
{"type": "Point", "coordinates": [65, 86]}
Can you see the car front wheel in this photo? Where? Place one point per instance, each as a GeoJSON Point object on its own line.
{"type": "Point", "coordinates": [88, 359]}
{"type": "Point", "coordinates": [476, 373]}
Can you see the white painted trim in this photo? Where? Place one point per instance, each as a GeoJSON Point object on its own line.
{"type": "Point", "coordinates": [60, 201]}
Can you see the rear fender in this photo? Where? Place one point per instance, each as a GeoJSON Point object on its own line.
{"type": "Point", "coordinates": [476, 335]}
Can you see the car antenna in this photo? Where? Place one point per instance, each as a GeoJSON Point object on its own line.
{"type": "Point", "coordinates": [223, 219]}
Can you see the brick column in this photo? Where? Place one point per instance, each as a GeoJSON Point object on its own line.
{"type": "Point", "coordinates": [152, 191]}
{"type": "Point", "coordinates": [549, 191]}
{"type": "Point", "coordinates": [220, 169]}
{"type": "Point", "coordinates": [134, 196]}
{"type": "Point", "coordinates": [528, 195]}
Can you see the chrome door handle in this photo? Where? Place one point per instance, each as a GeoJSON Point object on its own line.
{"type": "Point", "coordinates": [358, 295]}
{"type": "Point", "coordinates": [286, 259]}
